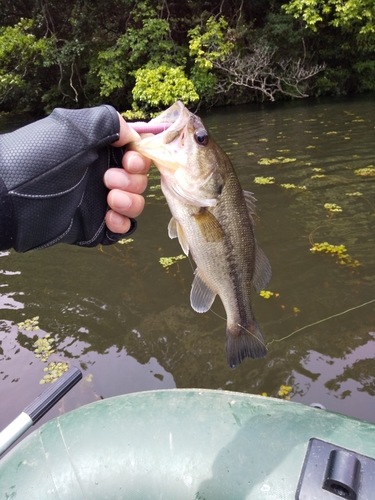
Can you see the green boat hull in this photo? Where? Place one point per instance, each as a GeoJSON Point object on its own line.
{"type": "Point", "coordinates": [175, 444]}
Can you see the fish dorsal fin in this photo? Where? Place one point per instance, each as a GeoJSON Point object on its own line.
{"type": "Point", "coordinates": [209, 226]}
{"type": "Point", "coordinates": [201, 295]}
{"type": "Point", "coordinates": [262, 270]}
{"type": "Point", "coordinates": [175, 231]}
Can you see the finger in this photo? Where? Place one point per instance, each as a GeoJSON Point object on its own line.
{"type": "Point", "coordinates": [127, 134]}
{"type": "Point", "coordinates": [118, 178]}
{"type": "Point", "coordinates": [125, 203]}
{"type": "Point", "coordinates": [116, 222]}
{"type": "Point", "coordinates": [135, 163]}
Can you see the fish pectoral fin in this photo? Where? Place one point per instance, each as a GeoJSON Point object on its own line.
{"type": "Point", "coordinates": [250, 203]}
{"type": "Point", "coordinates": [262, 270]}
{"type": "Point", "coordinates": [175, 231]}
{"type": "Point", "coordinates": [172, 228]}
{"type": "Point", "coordinates": [201, 295]}
{"type": "Point", "coordinates": [209, 226]}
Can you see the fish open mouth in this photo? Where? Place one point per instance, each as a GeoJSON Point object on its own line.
{"type": "Point", "coordinates": [166, 149]}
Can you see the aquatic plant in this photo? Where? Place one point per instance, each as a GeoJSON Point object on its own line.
{"type": "Point", "coordinates": [275, 161]}
{"type": "Point", "coordinates": [168, 261]}
{"type": "Point", "coordinates": [29, 324]}
{"type": "Point", "coordinates": [266, 294]}
{"type": "Point", "coordinates": [338, 251]}
{"type": "Point", "coordinates": [43, 348]}
{"type": "Point", "coordinates": [284, 391]}
{"type": "Point", "coordinates": [125, 241]}
{"type": "Point", "coordinates": [366, 171]}
{"type": "Point", "coordinates": [332, 207]}
{"type": "Point", "coordinates": [356, 193]}
{"type": "Point", "coordinates": [54, 371]}
{"type": "Point", "coordinates": [317, 176]}
{"type": "Point", "coordinates": [264, 180]}
{"type": "Point", "coordinates": [292, 186]}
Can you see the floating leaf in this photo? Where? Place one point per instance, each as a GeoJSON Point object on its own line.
{"type": "Point", "coordinates": [366, 172]}
{"type": "Point", "coordinates": [264, 180]}
{"type": "Point", "coordinates": [332, 207]}
{"type": "Point", "coordinates": [284, 391]}
{"type": "Point", "coordinates": [125, 241]}
{"type": "Point", "coordinates": [292, 186]}
{"type": "Point", "coordinates": [338, 251]}
{"type": "Point", "coordinates": [168, 261]}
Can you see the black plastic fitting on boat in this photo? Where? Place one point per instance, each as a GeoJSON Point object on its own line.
{"type": "Point", "coordinates": [332, 472]}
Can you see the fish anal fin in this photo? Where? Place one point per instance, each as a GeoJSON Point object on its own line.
{"type": "Point", "coordinates": [262, 270]}
{"type": "Point", "coordinates": [244, 342]}
{"type": "Point", "coordinates": [175, 231]}
{"type": "Point", "coordinates": [209, 226]}
{"type": "Point", "coordinates": [201, 295]}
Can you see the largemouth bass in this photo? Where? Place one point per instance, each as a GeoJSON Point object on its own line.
{"type": "Point", "coordinates": [212, 219]}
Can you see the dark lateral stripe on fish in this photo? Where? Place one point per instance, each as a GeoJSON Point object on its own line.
{"type": "Point", "coordinates": [149, 128]}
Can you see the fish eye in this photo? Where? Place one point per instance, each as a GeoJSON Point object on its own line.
{"type": "Point", "coordinates": [201, 137]}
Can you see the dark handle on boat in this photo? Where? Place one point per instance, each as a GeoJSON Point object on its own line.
{"type": "Point", "coordinates": [53, 394]}
{"type": "Point", "coordinates": [39, 407]}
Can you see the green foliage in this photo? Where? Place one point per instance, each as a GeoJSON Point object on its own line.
{"type": "Point", "coordinates": [80, 53]}
{"type": "Point", "coordinates": [207, 45]}
{"type": "Point", "coordinates": [162, 86]}
{"type": "Point", "coordinates": [358, 14]}
{"type": "Point", "coordinates": [21, 54]}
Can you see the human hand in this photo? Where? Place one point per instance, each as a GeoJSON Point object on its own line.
{"type": "Point", "coordinates": [126, 184]}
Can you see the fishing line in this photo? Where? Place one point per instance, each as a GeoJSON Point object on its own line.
{"type": "Point", "coordinates": [320, 321]}
{"type": "Point", "coordinates": [243, 328]}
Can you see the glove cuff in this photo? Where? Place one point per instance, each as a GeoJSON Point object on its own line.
{"type": "Point", "coordinates": [7, 222]}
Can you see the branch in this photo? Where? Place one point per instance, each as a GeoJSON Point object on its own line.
{"type": "Point", "coordinates": [260, 71]}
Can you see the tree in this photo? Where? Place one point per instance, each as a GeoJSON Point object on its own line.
{"type": "Point", "coordinates": [231, 58]}
{"type": "Point", "coordinates": [357, 14]}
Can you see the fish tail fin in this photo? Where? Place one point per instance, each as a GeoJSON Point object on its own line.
{"type": "Point", "coordinates": [244, 342]}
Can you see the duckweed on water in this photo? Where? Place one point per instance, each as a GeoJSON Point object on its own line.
{"type": "Point", "coordinates": [168, 261]}
{"type": "Point", "coordinates": [332, 207]}
{"type": "Point", "coordinates": [266, 294]}
{"type": "Point", "coordinates": [317, 176]}
{"type": "Point", "coordinates": [275, 161]}
{"type": "Point", "coordinates": [292, 186]}
{"type": "Point", "coordinates": [264, 180]}
{"type": "Point", "coordinates": [29, 324]}
{"type": "Point", "coordinates": [366, 172]}
{"type": "Point", "coordinates": [357, 193]}
{"type": "Point", "coordinates": [338, 251]}
{"type": "Point", "coordinates": [43, 348]}
{"type": "Point", "coordinates": [54, 371]}
{"type": "Point", "coordinates": [284, 391]}
{"type": "Point", "coordinates": [125, 241]}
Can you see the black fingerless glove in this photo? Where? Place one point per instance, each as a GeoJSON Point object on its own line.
{"type": "Point", "coordinates": [51, 180]}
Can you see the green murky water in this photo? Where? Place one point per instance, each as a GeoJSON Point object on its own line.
{"type": "Point", "coordinates": [126, 321]}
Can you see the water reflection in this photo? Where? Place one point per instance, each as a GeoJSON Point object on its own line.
{"type": "Point", "coordinates": [127, 322]}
